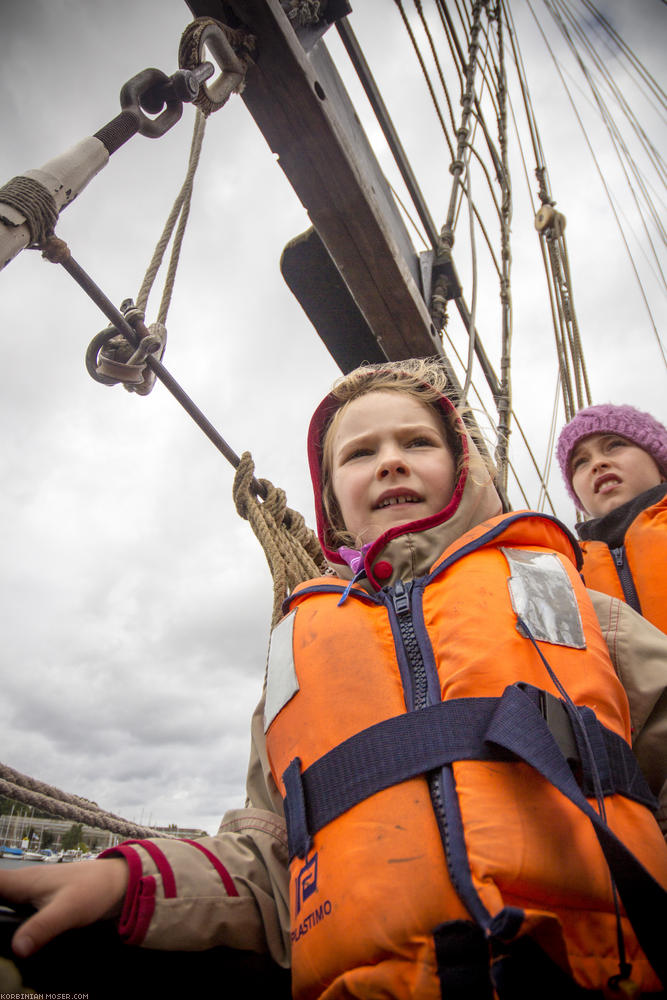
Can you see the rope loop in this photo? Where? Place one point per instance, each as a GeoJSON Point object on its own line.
{"type": "Point", "coordinates": [232, 50]}
{"type": "Point", "coordinates": [291, 548]}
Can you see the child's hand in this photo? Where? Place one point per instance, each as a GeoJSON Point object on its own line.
{"type": "Point", "coordinates": [65, 896]}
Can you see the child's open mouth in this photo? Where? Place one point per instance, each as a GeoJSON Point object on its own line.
{"type": "Point", "coordinates": [393, 501]}
{"type": "Point", "coordinates": [606, 483]}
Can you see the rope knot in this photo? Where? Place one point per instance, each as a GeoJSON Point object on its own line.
{"type": "Point", "coordinates": [55, 250]}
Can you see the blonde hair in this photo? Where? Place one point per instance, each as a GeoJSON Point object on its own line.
{"type": "Point", "coordinates": [425, 380]}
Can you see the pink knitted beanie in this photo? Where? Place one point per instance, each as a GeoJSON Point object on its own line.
{"type": "Point", "coordinates": [635, 425]}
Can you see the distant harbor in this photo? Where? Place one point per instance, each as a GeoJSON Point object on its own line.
{"type": "Point", "coordinates": [18, 865]}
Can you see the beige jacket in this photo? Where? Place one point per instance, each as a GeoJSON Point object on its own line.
{"type": "Point", "coordinates": [232, 888]}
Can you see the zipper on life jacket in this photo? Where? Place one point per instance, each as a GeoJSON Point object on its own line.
{"type": "Point", "coordinates": [400, 596]}
{"type": "Point", "coordinates": [401, 600]}
{"type": "Point", "coordinates": [625, 576]}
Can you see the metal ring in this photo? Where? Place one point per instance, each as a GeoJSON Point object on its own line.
{"type": "Point", "coordinates": [207, 31]}
{"type": "Point", "coordinates": [130, 100]}
{"type": "Point", "coordinates": [92, 354]}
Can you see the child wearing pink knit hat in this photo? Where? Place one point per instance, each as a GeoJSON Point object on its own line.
{"type": "Point", "coordinates": [614, 463]}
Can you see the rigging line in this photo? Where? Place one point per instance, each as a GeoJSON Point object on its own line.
{"type": "Point", "coordinates": [556, 318]}
{"type": "Point", "coordinates": [504, 402]}
{"type": "Point", "coordinates": [434, 53]}
{"type": "Point", "coordinates": [629, 54]}
{"type": "Point", "coordinates": [463, 193]}
{"type": "Point", "coordinates": [383, 118]}
{"type": "Point", "coordinates": [606, 188]}
{"type": "Point", "coordinates": [497, 165]}
{"type": "Point", "coordinates": [638, 206]}
{"type": "Point", "coordinates": [434, 99]}
{"type": "Point", "coordinates": [543, 481]}
{"type": "Point", "coordinates": [408, 216]}
{"type": "Point", "coordinates": [485, 233]}
{"type": "Point", "coordinates": [478, 112]}
{"type": "Point", "coordinates": [652, 153]}
{"type": "Point", "coordinates": [467, 23]}
{"type": "Point", "coordinates": [545, 196]}
{"type": "Point", "coordinates": [616, 140]}
{"type": "Point", "coordinates": [473, 303]}
{"type": "Point", "coordinates": [463, 131]}
{"type": "Point", "coordinates": [519, 427]}
{"type": "Point", "coordinates": [577, 348]}
{"type": "Point", "coordinates": [655, 195]}
{"type": "Point", "coordinates": [649, 200]}
{"type": "Point", "coordinates": [527, 101]}
{"type": "Point", "coordinates": [490, 68]}
{"type": "Point", "coordinates": [479, 120]}
{"type": "Point", "coordinates": [180, 211]}
{"type": "Point", "coordinates": [452, 41]}
{"type": "Point", "coordinates": [548, 461]}
{"type": "Point", "coordinates": [565, 313]}
{"type": "Point", "coordinates": [526, 175]}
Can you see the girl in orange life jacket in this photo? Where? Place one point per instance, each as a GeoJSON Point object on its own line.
{"type": "Point", "coordinates": [454, 690]}
{"type": "Point", "coordinates": [429, 625]}
{"type": "Point", "coordinates": [614, 463]}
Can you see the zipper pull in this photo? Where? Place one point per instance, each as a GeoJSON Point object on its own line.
{"type": "Point", "coordinates": [401, 598]}
{"type": "Point", "coordinates": [618, 556]}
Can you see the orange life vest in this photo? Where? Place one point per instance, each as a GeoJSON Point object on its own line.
{"type": "Point", "coordinates": [638, 566]}
{"type": "Point", "coordinates": [404, 867]}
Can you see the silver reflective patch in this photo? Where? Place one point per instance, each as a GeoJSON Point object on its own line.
{"type": "Point", "coordinates": [281, 679]}
{"type": "Point", "coordinates": [543, 597]}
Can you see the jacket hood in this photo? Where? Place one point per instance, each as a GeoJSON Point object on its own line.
{"type": "Point", "coordinates": [407, 550]}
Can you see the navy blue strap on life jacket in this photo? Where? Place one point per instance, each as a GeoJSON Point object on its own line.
{"type": "Point", "coordinates": [513, 727]}
{"type": "Point", "coordinates": [418, 742]}
{"type": "Point", "coordinates": [381, 756]}
{"type": "Point", "coordinates": [519, 726]}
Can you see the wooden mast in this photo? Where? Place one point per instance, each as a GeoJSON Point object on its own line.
{"type": "Point", "coordinates": [356, 274]}
{"type": "Point", "coordinates": [298, 100]}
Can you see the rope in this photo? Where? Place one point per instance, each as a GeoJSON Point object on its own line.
{"type": "Point", "coordinates": [179, 213]}
{"type": "Point", "coordinates": [523, 435]}
{"type": "Point", "coordinates": [504, 400]}
{"type": "Point", "coordinates": [472, 333]}
{"type": "Point", "coordinates": [35, 793]}
{"type": "Point", "coordinates": [35, 203]}
{"type": "Point", "coordinates": [434, 53]}
{"type": "Point", "coordinates": [606, 189]}
{"type": "Point", "coordinates": [426, 75]}
{"type": "Point", "coordinates": [291, 548]}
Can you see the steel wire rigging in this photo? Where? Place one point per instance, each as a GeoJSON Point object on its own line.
{"type": "Point", "coordinates": [478, 38]}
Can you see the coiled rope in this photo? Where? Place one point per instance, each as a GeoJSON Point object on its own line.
{"type": "Point", "coordinates": [291, 548]}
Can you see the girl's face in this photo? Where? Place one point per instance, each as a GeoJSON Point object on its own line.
{"type": "Point", "coordinates": [608, 470]}
{"type": "Point", "coordinates": [391, 463]}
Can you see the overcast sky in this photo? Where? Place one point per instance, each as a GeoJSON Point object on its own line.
{"type": "Point", "coordinates": [135, 603]}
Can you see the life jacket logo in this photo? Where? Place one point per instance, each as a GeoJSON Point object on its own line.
{"type": "Point", "coordinates": [306, 882]}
